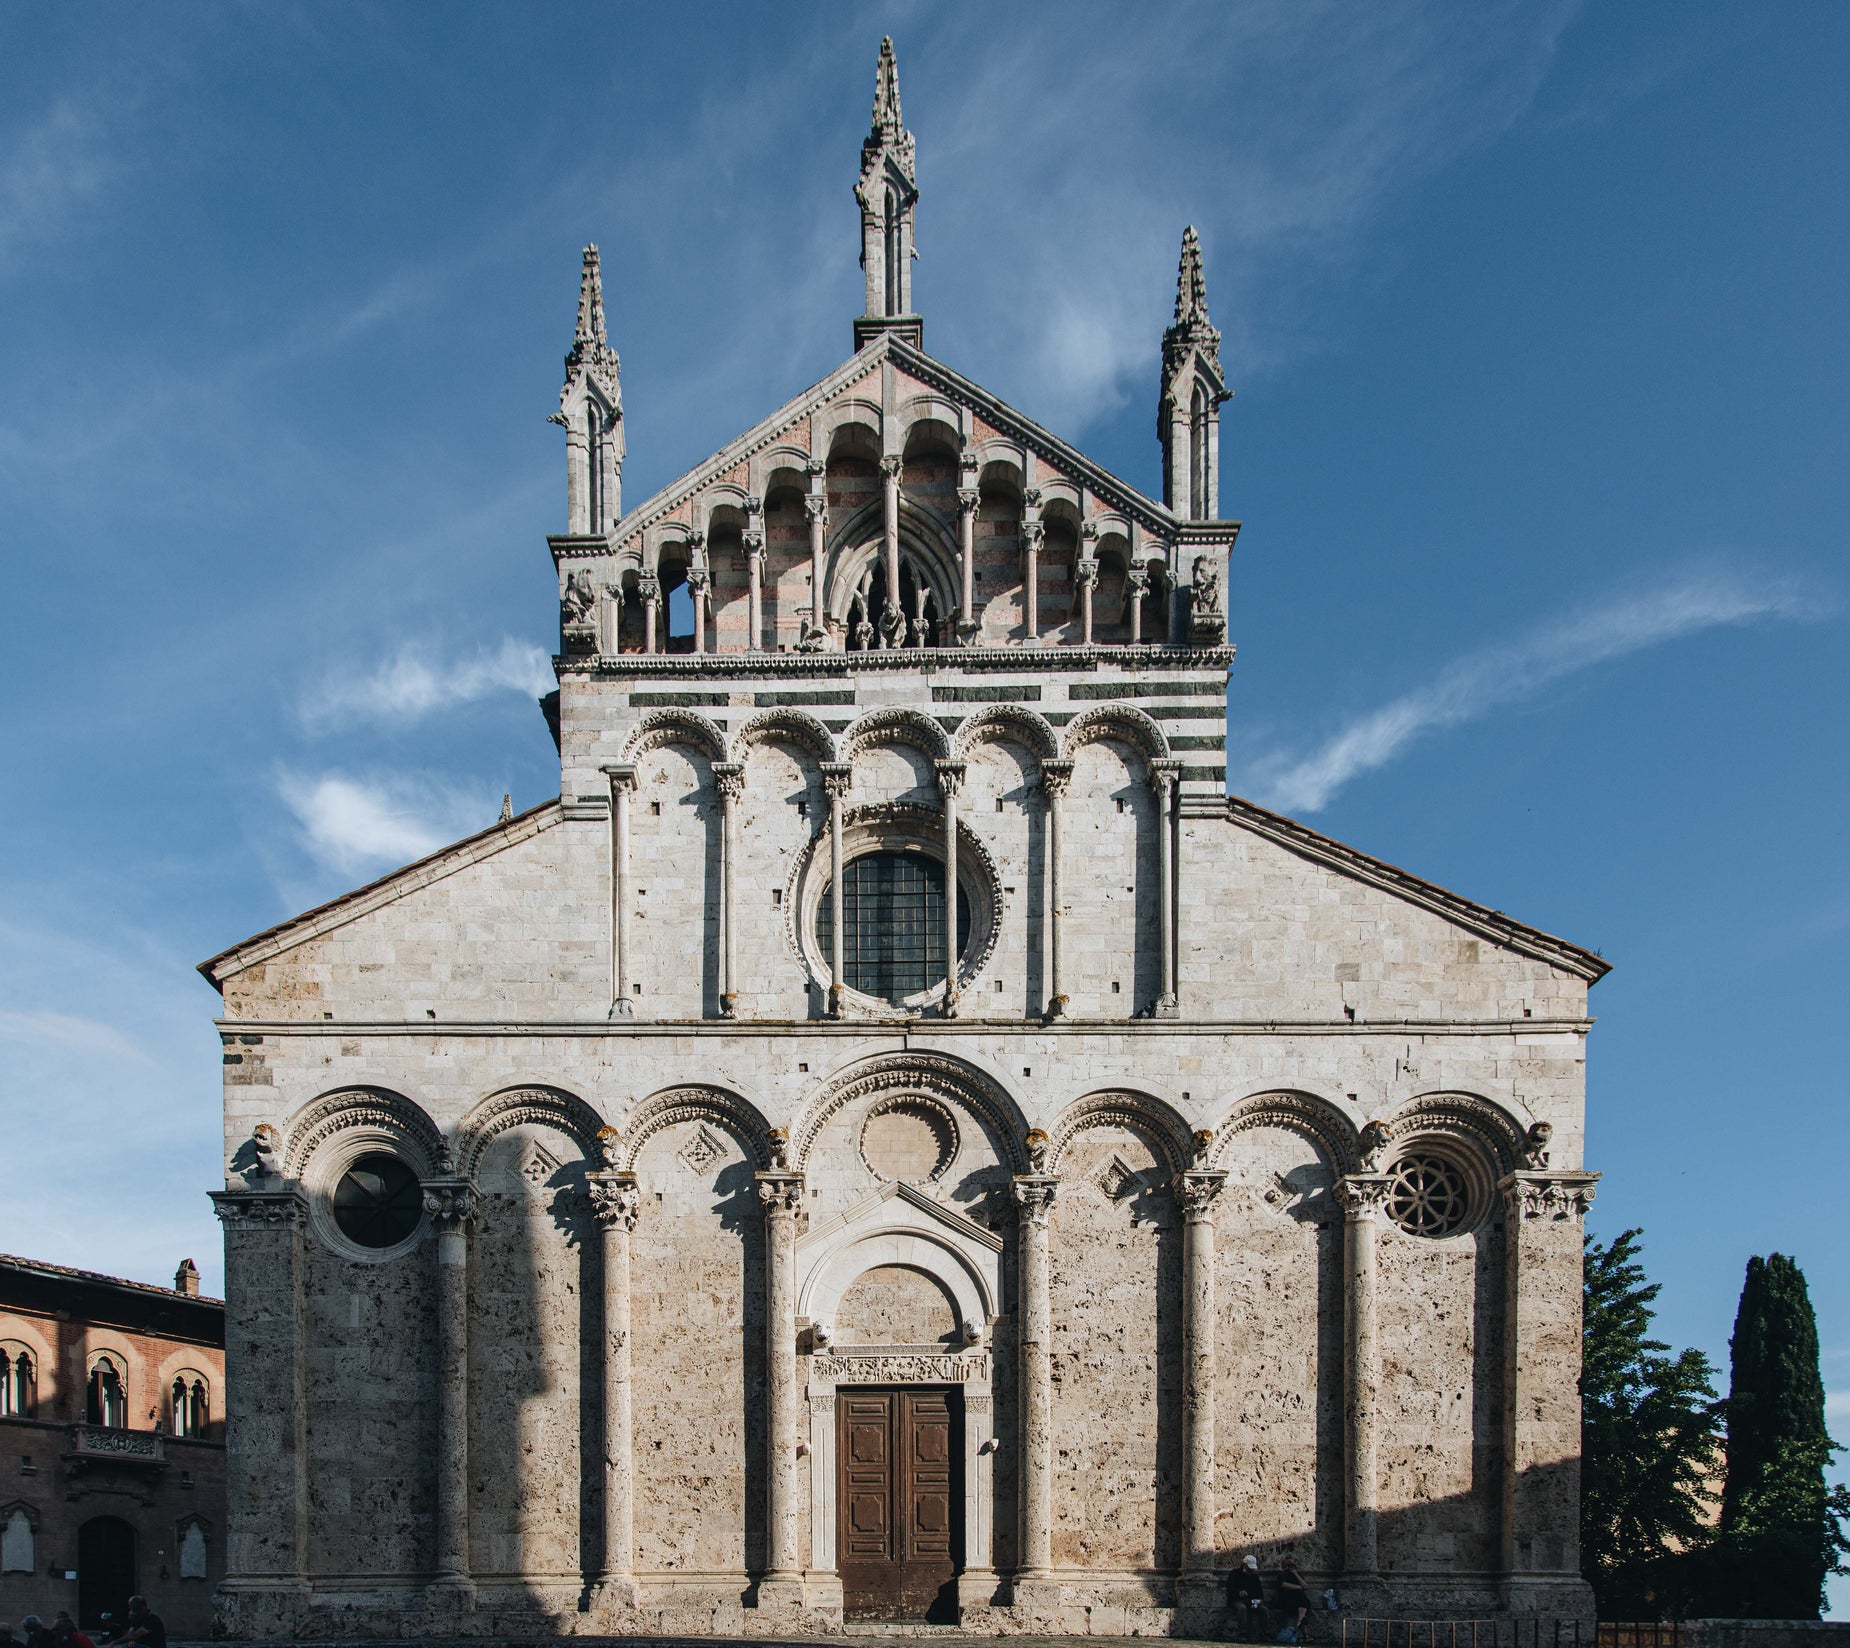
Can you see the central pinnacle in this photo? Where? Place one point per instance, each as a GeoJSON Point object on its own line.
{"type": "Point", "coordinates": [887, 121]}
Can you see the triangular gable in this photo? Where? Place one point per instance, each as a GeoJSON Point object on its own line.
{"type": "Point", "coordinates": [388, 889]}
{"type": "Point", "coordinates": [1494, 925]}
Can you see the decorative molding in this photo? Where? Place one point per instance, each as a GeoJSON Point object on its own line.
{"type": "Point", "coordinates": [259, 1209]}
{"type": "Point", "coordinates": [999, 721]}
{"type": "Point", "coordinates": [691, 1103]}
{"type": "Point", "coordinates": [903, 725]}
{"type": "Point", "coordinates": [1463, 1117]}
{"type": "Point", "coordinates": [932, 1107]}
{"type": "Point", "coordinates": [1539, 1194]}
{"type": "Point", "coordinates": [1316, 1119]}
{"type": "Point", "coordinates": [1122, 720]}
{"type": "Point", "coordinates": [661, 727]}
{"type": "Point", "coordinates": [1051, 659]}
{"type": "Point", "coordinates": [796, 725]}
{"type": "Point", "coordinates": [898, 1368]}
{"type": "Point", "coordinates": [324, 1118]}
{"type": "Point", "coordinates": [932, 1075]}
{"type": "Point", "coordinates": [1138, 1113]}
{"type": "Point", "coordinates": [525, 1107]}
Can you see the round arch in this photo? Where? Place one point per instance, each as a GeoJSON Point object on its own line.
{"type": "Point", "coordinates": [524, 1107]}
{"type": "Point", "coordinates": [936, 1075]}
{"type": "Point", "coordinates": [697, 1102]}
{"type": "Point", "coordinates": [1141, 1113]}
{"type": "Point", "coordinates": [374, 1109]}
{"type": "Point", "coordinates": [1316, 1119]}
{"type": "Point", "coordinates": [660, 727]}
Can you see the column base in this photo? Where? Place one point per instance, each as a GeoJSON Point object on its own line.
{"type": "Point", "coordinates": [614, 1594]}
{"type": "Point", "coordinates": [622, 1008]}
{"type": "Point", "coordinates": [976, 1588]}
{"type": "Point", "coordinates": [781, 1592]}
{"type": "Point", "coordinates": [1552, 1596]}
{"type": "Point", "coordinates": [729, 1006]}
{"type": "Point", "coordinates": [1165, 1008]}
{"type": "Point", "coordinates": [452, 1594]}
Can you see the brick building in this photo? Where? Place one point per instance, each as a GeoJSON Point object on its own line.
{"type": "Point", "coordinates": [894, 1139]}
{"type": "Point", "coordinates": [112, 1451]}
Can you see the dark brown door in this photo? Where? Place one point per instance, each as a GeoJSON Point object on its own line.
{"type": "Point", "coordinates": [105, 1571]}
{"type": "Point", "coordinates": [899, 1498]}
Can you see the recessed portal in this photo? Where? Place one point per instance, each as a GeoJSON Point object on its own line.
{"type": "Point", "coordinates": [899, 1503]}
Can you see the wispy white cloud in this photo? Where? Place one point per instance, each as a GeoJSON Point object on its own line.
{"type": "Point", "coordinates": [354, 824]}
{"type": "Point", "coordinates": [70, 1033]}
{"type": "Point", "coordinates": [1482, 681]}
{"type": "Point", "coordinates": [415, 683]}
{"type": "Point", "coordinates": [48, 170]}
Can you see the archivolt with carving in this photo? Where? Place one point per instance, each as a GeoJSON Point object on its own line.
{"type": "Point", "coordinates": [1122, 721]}
{"type": "Point", "coordinates": [1016, 721]}
{"type": "Point", "coordinates": [691, 1103]}
{"type": "Point", "coordinates": [1461, 1116]}
{"type": "Point", "coordinates": [797, 726]}
{"type": "Point", "coordinates": [1316, 1119]}
{"type": "Point", "coordinates": [524, 1107]}
{"type": "Point", "coordinates": [935, 1075]}
{"type": "Point", "coordinates": [1140, 1113]}
{"type": "Point", "coordinates": [333, 1113]}
{"type": "Point", "coordinates": [661, 727]}
{"type": "Point", "coordinates": [900, 725]}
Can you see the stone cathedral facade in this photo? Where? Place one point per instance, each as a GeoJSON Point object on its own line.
{"type": "Point", "coordinates": [894, 1139]}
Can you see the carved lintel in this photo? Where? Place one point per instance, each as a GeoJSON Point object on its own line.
{"type": "Point", "coordinates": [1544, 1194]}
{"type": "Point", "coordinates": [897, 1368]}
{"type": "Point", "coordinates": [615, 1199]}
{"type": "Point", "coordinates": [1361, 1195]}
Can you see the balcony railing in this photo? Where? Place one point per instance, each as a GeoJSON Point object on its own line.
{"type": "Point", "coordinates": [123, 1446]}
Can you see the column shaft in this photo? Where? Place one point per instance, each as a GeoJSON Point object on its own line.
{"type": "Point", "coordinates": [816, 506]}
{"type": "Point", "coordinates": [754, 602]}
{"type": "Point", "coordinates": [836, 776]}
{"type": "Point", "coordinates": [893, 619]}
{"type": "Point", "coordinates": [1360, 1196]}
{"type": "Point", "coordinates": [622, 784]}
{"type": "Point", "coordinates": [649, 587]}
{"type": "Point", "coordinates": [729, 776]}
{"type": "Point", "coordinates": [1136, 586]}
{"type": "Point", "coordinates": [1197, 1190]}
{"type": "Point", "coordinates": [1055, 776]}
{"type": "Point", "coordinates": [615, 1203]}
{"type": "Point", "coordinates": [1034, 1195]}
{"type": "Point", "coordinates": [1032, 533]}
{"type": "Point", "coordinates": [451, 1204]}
{"type": "Point", "coordinates": [967, 500]}
{"type": "Point", "coordinates": [1086, 575]}
{"type": "Point", "coordinates": [782, 1196]}
{"type": "Point", "coordinates": [1163, 776]}
{"type": "Point", "coordinates": [950, 782]}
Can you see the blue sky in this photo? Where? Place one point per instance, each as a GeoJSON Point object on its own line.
{"type": "Point", "coordinates": [1535, 319]}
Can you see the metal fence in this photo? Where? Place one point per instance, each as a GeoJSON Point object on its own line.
{"type": "Point", "coordinates": [1486, 1633]}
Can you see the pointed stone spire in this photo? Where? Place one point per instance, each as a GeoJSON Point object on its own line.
{"type": "Point", "coordinates": [507, 807]}
{"type": "Point", "coordinates": [887, 192]}
{"type": "Point", "coordinates": [1188, 414]}
{"type": "Point", "coordinates": [591, 411]}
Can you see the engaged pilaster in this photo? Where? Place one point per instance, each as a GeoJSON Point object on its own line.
{"type": "Point", "coordinates": [1164, 775]}
{"type": "Point", "coordinates": [781, 1194]}
{"type": "Point", "coordinates": [1055, 776]}
{"type": "Point", "coordinates": [616, 1203]}
{"type": "Point", "coordinates": [1540, 1558]}
{"type": "Point", "coordinates": [622, 778]}
{"type": "Point", "coordinates": [266, 1440]}
{"type": "Point", "coordinates": [950, 784]}
{"type": "Point", "coordinates": [729, 779]}
{"type": "Point", "coordinates": [1034, 1194]}
{"type": "Point", "coordinates": [1360, 1196]}
{"type": "Point", "coordinates": [451, 1204]}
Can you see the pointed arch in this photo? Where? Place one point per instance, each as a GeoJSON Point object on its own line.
{"type": "Point", "coordinates": [697, 1102]}
{"type": "Point", "coordinates": [1141, 1113]}
{"type": "Point", "coordinates": [936, 1075]}
{"type": "Point", "coordinates": [1317, 1119]}
{"type": "Point", "coordinates": [660, 727]}
{"type": "Point", "coordinates": [523, 1107]}
{"type": "Point", "coordinates": [377, 1108]}
{"type": "Point", "coordinates": [1123, 721]}
{"type": "Point", "coordinates": [798, 726]}
{"type": "Point", "coordinates": [900, 726]}
{"type": "Point", "coordinates": [1025, 726]}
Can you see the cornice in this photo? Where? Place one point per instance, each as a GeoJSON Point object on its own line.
{"type": "Point", "coordinates": [925, 660]}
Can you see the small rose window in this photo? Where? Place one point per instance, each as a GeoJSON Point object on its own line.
{"type": "Point", "coordinates": [378, 1201]}
{"type": "Point", "coordinates": [1428, 1196]}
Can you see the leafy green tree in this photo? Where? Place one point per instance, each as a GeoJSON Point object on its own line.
{"type": "Point", "coordinates": [1649, 1444]}
{"type": "Point", "coordinates": [1782, 1529]}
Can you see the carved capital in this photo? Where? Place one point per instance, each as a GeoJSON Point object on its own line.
{"type": "Point", "coordinates": [1540, 1194]}
{"type": "Point", "coordinates": [1031, 497]}
{"type": "Point", "coordinates": [1034, 1194]}
{"type": "Point", "coordinates": [950, 777]}
{"type": "Point", "coordinates": [729, 779]}
{"type": "Point", "coordinates": [1137, 582]}
{"type": "Point", "coordinates": [622, 776]}
{"type": "Point", "coordinates": [615, 1200]}
{"type": "Point", "coordinates": [648, 586]}
{"type": "Point", "coordinates": [451, 1203]}
{"type": "Point", "coordinates": [837, 778]}
{"type": "Point", "coordinates": [816, 508]}
{"type": "Point", "coordinates": [698, 581]}
{"type": "Point", "coordinates": [890, 467]}
{"type": "Point", "coordinates": [1164, 773]}
{"type": "Point", "coordinates": [754, 508]}
{"type": "Point", "coordinates": [1033, 535]}
{"type": "Point", "coordinates": [780, 1195]}
{"type": "Point", "coordinates": [1055, 776]}
{"type": "Point", "coordinates": [754, 543]}
{"type": "Point", "coordinates": [1085, 573]}
{"type": "Point", "coordinates": [259, 1209]}
{"type": "Point", "coordinates": [967, 500]}
{"type": "Point", "coordinates": [1361, 1195]}
{"type": "Point", "coordinates": [1195, 1191]}
{"type": "Point", "coordinates": [1088, 530]}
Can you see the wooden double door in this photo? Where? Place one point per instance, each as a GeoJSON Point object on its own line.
{"type": "Point", "coordinates": [899, 1499]}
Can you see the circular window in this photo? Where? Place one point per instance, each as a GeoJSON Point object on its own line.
{"type": "Point", "coordinates": [378, 1201]}
{"type": "Point", "coordinates": [893, 919]}
{"type": "Point", "coordinates": [1428, 1196]}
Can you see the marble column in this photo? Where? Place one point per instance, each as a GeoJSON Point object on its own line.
{"type": "Point", "coordinates": [1164, 775]}
{"type": "Point", "coordinates": [1085, 576]}
{"type": "Point", "coordinates": [968, 498]}
{"type": "Point", "coordinates": [698, 583]}
{"type": "Point", "coordinates": [266, 1440]}
{"type": "Point", "coordinates": [649, 587]}
{"type": "Point", "coordinates": [622, 778]}
{"type": "Point", "coordinates": [950, 783]}
{"type": "Point", "coordinates": [1055, 776]}
{"type": "Point", "coordinates": [451, 1206]}
{"type": "Point", "coordinates": [1540, 1547]}
{"type": "Point", "coordinates": [615, 1204]}
{"type": "Point", "coordinates": [836, 778]}
{"type": "Point", "coordinates": [1360, 1196]}
{"type": "Point", "coordinates": [1033, 535]}
{"type": "Point", "coordinates": [892, 619]}
{"type": "Point", "coordinates": [1136, 587]}
{"type": "Point", "coordinates": [753, 539]}
{"type": "Point", "coordinates": [816, 508]}
{"type": "Point", "coordinates": [781, 1194]}
{"type": "Point", "coordinates": [1196, 1190]}
{"type": "Point", "coordinates": [729, 780]}
{"type": "Point", "coordinates": [1034, 1194]}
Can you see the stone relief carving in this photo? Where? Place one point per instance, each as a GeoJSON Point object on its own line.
{"type": "Point", "coordinates": [701, 1151]}
{"type": "Point", "coordinates": [902, 1369]}
{"type": "Point", "coordinates": [365, 1107]}
{"type": "Point", "coordinates": [890, 1158]}
{"type": "Point", "coordinates": [954, 1084]}
{"type": "Point", "coordinates": [1535, 1146]}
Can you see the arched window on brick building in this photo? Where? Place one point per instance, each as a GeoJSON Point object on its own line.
{"type": "Point", "coordinates": [19, 1382]}
{"type": "Point", "coordinates": [106, 1397]}
{"type": "Point", "coordinates": [189, 1404]}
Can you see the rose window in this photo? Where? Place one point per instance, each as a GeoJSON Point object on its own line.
{"type": "Point", "coordinates": [1428, 1196]}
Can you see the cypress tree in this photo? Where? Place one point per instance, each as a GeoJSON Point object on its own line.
{"type": "Point", "coordinates": [1649, 1444]}
{"type": "Point", "coordinates": [1782, 1529]}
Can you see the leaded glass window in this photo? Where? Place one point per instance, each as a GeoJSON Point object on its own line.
{"type": "Point", "coordinates": [892, 924]}
{"type": "Point", "coordinates": [378, 1202]}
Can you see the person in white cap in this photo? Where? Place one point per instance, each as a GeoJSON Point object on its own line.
{"type": "Point", "coordinates": [1246, 1600]}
